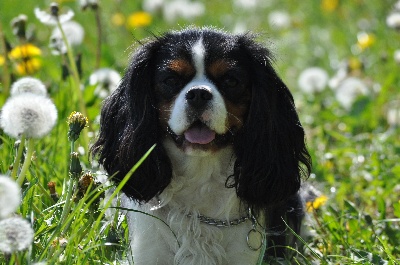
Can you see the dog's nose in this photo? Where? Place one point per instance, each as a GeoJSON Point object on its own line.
{"type": "Point", "coordinates": [198, 97]}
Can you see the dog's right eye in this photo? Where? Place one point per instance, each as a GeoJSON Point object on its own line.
{"type": "Point", "coordinates": [172, 81]}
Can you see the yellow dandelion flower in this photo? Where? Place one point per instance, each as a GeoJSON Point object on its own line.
{"type": "Point", "coordinates": [2, 60]}
{"type": "Point", "coordinates": [118, 19]}
{"type": "Point", "coordinates": [76, 121]}
{"type": "Point", "coordinates": [24, 51]}
{"type": "Point", "coordinates": [139, 19]}
{"type": "Point", "coordinates": [329, 5]}
{"type": "Point", "coordinates": [354, 64]}
{"type": "Point", "coordinates": [29, 66]}
{"type": "Point", "coordinates": [317, 203]}
{"type": "Point", "coordinates": [365, 40]}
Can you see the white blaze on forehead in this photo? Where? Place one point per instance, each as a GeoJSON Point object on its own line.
{"type": "Point", "coordinates": [215, 115]}
{"type": "Point", "coordinates": [198, 53]}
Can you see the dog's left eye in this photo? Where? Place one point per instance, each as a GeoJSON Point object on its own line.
{"type": "Point", "coordinates": [172, 81]}
{"type": "Point", "coordinates": [230, 81]}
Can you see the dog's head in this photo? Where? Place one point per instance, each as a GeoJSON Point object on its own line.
{"type": "Point", "coordinates": [204, 89]}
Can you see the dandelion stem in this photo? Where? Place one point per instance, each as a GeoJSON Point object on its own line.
{"type": "Point", "coordinates": [18, 157]}
{"type": "Point", "coordinates": [75, 78]}
{"type": "Point", "coordinates": [27, 162]}
{"type": "Point", "coordinates": [99, 36]}
{"type": "Point", "coordinates": [6, 80]}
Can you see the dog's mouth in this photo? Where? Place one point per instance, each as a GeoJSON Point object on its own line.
{"type": "Point", "coordinates": [199, 133]}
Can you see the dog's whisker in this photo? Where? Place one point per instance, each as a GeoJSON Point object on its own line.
{"type": "Point", "coordinates": [234, 116]}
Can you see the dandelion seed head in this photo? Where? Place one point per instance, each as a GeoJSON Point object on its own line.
{"type": "Point", "coordinates": [10, 196]}
{"type": "Point", "coordinates": [393, 113]}
{"type": "Point", "coordinates": [51, 18]}
{"type": "Point", "coordinates": [18, 25]}
{"type": "Point", "coordinates": [28, 85]}
{"type": "Point", "coordinates": [176, 9]}
{"type": "Point", "coordinates": [152, 6]}
{"type": "Point", "coordinates": [279, 20]}
{"type": "Point", "coordinates": [393, 20]}
{"type": "Point", "coordinates": [106, 81]}
{"type": "Point", "coordinates": [397, 56]}
{"type": "Point", "coordinates": [313, 79]}
{"type": "Point", "coordinates": [74, 34]}
{"type": "Point", "coordinates": [88, 4]}
{"type": "Point", "coordinates": [246, 4]}
{"type": "Point", "coordinates": [348, 90]}
{"type": "Point", "coordinates": [29, 114]}
{"type": "Point", "coordinates": [397, 6]}
{"type": "Point", "coordinates": [16, 234]}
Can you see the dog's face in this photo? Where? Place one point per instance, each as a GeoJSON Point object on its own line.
{"type": "Point", "coordinates": [203, 91]}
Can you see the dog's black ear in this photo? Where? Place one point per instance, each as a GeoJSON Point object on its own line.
{"type": "Point", "coordinates": [129, 128]}
{"type": "Point", "coordinates": [270, 148]}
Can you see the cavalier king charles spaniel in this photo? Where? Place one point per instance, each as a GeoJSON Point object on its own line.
{"type": "Point", "coordinates": [222, 184]}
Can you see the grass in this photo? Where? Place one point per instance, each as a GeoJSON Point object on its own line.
{"type": "Point", "coordinates": [355, 150]}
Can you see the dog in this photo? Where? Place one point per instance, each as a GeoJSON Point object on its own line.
{"type": "Point", "coordinates": [221, 185]}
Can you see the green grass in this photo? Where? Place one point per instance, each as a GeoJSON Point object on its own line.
{"type": "Point", "coordinates": [355, 151]}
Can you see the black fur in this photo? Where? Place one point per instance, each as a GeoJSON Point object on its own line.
{"type": "Point", "coordinates": [129, 128]}
{"type": "Point", "coordinates": [270, 147]}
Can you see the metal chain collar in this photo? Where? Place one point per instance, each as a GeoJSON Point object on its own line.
{"type": "Point", "coordinates": [253, 232]}
{"type": "Point", "coordinates": [218, 222]}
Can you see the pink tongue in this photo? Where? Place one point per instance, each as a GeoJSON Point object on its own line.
{"type": "Point", "coordinates": [199, 135]}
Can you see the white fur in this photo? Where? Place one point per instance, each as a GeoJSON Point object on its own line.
{"type": "Point", "coordinates": [215, 115]}
{"type": "Point", "coordinates": [198, 186]}
{"type": "Point", "coordinates": [199, 54]}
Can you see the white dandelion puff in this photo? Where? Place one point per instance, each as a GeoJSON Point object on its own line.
{"type": "Point", "coordinates": [152, 6]}
{"type": "Point", "coordinates": [74, 34]}
{"type": "Point", "coordinates": [397, 56]}
{"type": "Point", "coordinates": [393, 20]}
{"type": "Point", "coordinates": [106, 81]}
{"type": "Point", "coordinates": [349, 90]}
{"type": "Point", "coordinates": [279, 20]}
{"type": "Point", "coordinates": [182, 9]}
{"type": "Point", "coordinates": [246, 4]}
{"type": "Point", "coordinates": [10, 196]}
{"type": "Point", "coordinates": [29, 114]}
{"type": "Point", "coordinates": [393, 113]}
{"type": "Point", "coordinates": [313, 80]}
{"type": "Point", "coordinates": [51, 18]}
{"type": "Point", "coordinates": [16, 234]}
{"type": "Point", "coordinates": [88, 3]}
{"type": "Point", "coordinates": [28, 85]}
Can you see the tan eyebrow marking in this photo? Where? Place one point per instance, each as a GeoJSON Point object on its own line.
{"type": "Point", "coordinates": [219, 67]}
{"type": "Point", "coordinates": [182, 67]}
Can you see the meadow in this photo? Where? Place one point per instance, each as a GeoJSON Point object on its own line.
{"type": "Point", "coordinates": [341, 60]}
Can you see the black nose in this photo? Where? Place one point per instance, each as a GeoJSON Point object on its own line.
{"type": "Point", "coordinates": [198, 97]}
